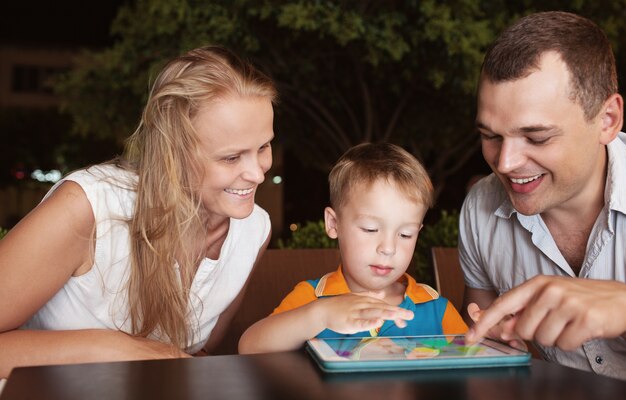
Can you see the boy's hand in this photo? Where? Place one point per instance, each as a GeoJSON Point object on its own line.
{"type": "Point", "coordinates": [352, 313]}
{"type": "Point", "coordinates": [503, 331]}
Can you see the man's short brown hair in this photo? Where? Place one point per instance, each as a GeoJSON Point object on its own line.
{"type": "Point", "coordinates": [582, 45]}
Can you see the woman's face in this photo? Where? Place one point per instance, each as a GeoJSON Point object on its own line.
{"type": "Point", "coordinates": [234, 135]}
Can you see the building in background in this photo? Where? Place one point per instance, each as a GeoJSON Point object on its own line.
{"type": "Point", "coordinates": [26, 76]}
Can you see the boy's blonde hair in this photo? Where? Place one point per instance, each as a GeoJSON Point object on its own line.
{"type": "Point", "coordinates": [368, 162]}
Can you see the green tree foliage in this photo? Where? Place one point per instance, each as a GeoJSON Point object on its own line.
{"type": "Point", "coordinates": [348, 71]}
{"type": "Point", "coordinates": [311, 235]}
{"type": "Point", "coordinates": [442, 233]}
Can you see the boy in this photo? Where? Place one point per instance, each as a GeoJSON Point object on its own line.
{"type": "Point", "coordinates": [379, 195]}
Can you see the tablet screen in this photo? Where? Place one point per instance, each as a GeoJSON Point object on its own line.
{"type": "Point", "coordinates": [408, 348]}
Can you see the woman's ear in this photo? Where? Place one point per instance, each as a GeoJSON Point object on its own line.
{"type": "Point", "coordinates": [330, 221]}
{"type": "Point", "coordinates": [612, 118]}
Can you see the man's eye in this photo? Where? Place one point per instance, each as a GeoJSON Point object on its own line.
{"type": "Point", "coordinates": [538, 140]}
{"type": "Point", "coordinates": [487, 137]}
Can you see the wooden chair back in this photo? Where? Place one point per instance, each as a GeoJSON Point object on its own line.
{"type": "Point", "coordinates": [448, 274]}
{"type": "Point", "coordinates": [275, 276]}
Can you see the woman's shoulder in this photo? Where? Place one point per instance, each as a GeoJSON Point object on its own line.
{"type": "Point", "coordinates": [109, 188]}
{"type": "Point", "coordinates": [108, 174]}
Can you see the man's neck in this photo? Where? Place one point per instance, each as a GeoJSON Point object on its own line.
{"type": "Point", "coordinates": [571, 226]}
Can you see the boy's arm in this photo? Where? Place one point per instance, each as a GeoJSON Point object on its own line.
{"type": "Point", "coordinates": [260, 336]}
{"type": "Point", "coordinates": [452, 322]}
{"type": "Point", "coordinates": [345, 314]}
{"type": "Point", "coordinates": [284, 331]}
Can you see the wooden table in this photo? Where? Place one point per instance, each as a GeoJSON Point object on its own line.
{"type": "Point", "coordinates": [292, 375]}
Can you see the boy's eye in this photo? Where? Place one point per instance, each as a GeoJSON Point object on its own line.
{"type": "Point", "coordinates": [406, 236]}
{"type": "Point", "coordinates": [369, 230]}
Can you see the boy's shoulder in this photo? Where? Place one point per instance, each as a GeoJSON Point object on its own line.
{"type": "Point", "coordinates": [331, 284]}
{"type": "Point", "coordinates": [419, 292]}
{"type": "Point", "coordinates": [334, 284]}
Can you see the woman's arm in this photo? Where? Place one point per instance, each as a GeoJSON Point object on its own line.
{"type": "Point", "coordinates": [37, 257]}
{"type": "Point", "coordinates": [40, 254]}
{"type": "Point", "coordinates": [24, 347]}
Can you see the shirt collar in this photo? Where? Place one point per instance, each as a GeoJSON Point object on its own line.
{"type": "Point", "coordinates": [334, 284]}
{"type": "Point", "coordinates": [615, 190]}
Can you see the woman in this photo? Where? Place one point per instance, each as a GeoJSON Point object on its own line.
{"type": "Point", "coordinates": [146, 256]}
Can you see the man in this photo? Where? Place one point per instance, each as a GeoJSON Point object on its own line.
{"type": "Point", "coordinates": [549, 117]}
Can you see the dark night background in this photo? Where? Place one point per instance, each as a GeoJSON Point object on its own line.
{"type": "Point", "coordinates": [65, 22]}
{"type": "Point", "coordinates": [76, 23]}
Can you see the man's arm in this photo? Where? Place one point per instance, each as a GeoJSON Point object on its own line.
{"type": "Point", "coordinates": [483, 298]}
{"type": "Point", "coordinates": [477, 300]}
{"type": "Point", "coordinates": [559, 311]}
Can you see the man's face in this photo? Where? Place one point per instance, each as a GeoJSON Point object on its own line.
{"type": "Point", "coordinates": [536, 139]}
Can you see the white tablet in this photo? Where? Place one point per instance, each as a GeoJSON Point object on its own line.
{"type": "Point", "coordinates": [411, 352]}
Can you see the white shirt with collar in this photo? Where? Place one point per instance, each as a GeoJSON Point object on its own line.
{"type": "Point", "coordinates": [500, 248]}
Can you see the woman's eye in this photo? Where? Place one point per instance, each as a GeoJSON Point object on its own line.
{"type": "Point", "coordinates": [231, 159]}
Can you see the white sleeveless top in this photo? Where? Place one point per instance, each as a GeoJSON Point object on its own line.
{"type": "Point", "coordinates": [98, 298]}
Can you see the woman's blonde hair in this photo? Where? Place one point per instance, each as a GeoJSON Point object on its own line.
{"type": "Point", "coordinates": [168, 223]}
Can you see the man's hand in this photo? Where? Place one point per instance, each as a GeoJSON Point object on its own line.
{"type": "Point", "coordinates": [503, 331]}
{"type": "Point", "coordinates": [557, 311]}
{"type": "Point", "coordinates": [352, 313]}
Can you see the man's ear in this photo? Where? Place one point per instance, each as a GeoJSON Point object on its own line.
{"type": "Point", "coordinates": [330, 221]}
{"type": "Point", "coordinates": [612, 118]}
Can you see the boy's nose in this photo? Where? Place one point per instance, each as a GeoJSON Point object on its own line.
{"type": "Point", "coordinates": [386, 248]}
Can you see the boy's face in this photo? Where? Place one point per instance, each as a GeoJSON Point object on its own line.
{"type": "Point", "coordinates": [377, 228]}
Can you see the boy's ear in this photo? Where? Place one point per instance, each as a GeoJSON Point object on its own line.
{"type": "Point", "coordinates": [330, 221]}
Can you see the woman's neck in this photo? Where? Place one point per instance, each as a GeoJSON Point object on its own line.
{"type": "Point", "coordinates": [216, 235]}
